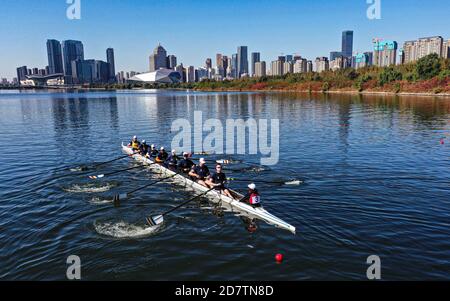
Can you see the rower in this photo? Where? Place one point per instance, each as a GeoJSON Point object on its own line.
{"type": "Point", "coordinates": [172, 161]}
{"type": "Point", "coordinates": [217, 181]}
{"type": "Point", "coordinates": [252, 197]}
{"type": "Point", "coordinates": [134, 143]}
{"type": "Point", "coordinates": [162, 155]}
{"type": "Point", "coordinates": [200, 172]}
{"type": "Point", "coordinates": [143, 148]}
{"type": "Point", "coordinates": [152, 152]}
{"type": "Point", "coordinates": [185, 164]}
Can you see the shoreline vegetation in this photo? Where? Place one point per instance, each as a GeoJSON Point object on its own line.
{"type": "Point", "coordinates": [429, 76]}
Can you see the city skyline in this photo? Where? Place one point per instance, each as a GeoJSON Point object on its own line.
{"type": "Point", "coordinates": [310, 42]}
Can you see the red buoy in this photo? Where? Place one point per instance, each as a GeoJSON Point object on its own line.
{"type": "Point", "coordinates": [442, 141]}
{"type": "Point", "coordinates": [279, 258]}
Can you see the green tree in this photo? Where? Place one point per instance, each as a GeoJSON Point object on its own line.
{"type": "Point", "coordinates": [388, 75]}
{"type": "Point", "coordinates": [428, 67]}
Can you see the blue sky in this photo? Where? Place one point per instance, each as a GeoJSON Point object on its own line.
{"type": "Point", "coordinates": [194, 30]}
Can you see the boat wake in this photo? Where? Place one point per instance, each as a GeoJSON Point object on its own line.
{"type": "Point", "coordinates": [124, 230]}
{"type": "Point", "coordinates": [90, 187]}
{"type": "Point", "coordinates": [99, 201]}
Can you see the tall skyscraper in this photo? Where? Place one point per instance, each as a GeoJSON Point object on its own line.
{"type": "Point", "coordinates": [55, 59]}
{"type": "Point", "coordinates": [219, 60]}
{"type": "Point", "coordinates": [72, 50]}
{"type": "Point", "coordinates": [385, 53]}
{"type": "Point", "coordinates": [234, 65]}
{"type": "Point", "coordinates": [171, 61]}
{"type": "Point", "coordinates": [158, 59]}
{"type": "Point", "coordinates": [22, 73]}
{"type": "Point", "coordinates": [347, 43]}
{"type": "Point", "coordinates": [242, 58]}
{"type": "Point", "coordinates": [208, 63]}
{"type": "Point", "coordinates": [255, 58]}
{"type": "Point", "coordinates": [260, 69]}
{"type": "Point", "coordinates": [111, 62]}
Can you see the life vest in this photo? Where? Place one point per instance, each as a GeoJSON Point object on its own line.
{"type": "Point", "coordinates": [135, 144]}
{"type": "Point", "coordinates": [254, 198]}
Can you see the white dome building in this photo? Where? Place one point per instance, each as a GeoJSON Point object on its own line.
{"type": "Point", "coordinates": [163, 76]}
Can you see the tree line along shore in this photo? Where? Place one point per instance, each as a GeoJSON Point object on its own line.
{"type": "Point", "coordinates": [429, 75]}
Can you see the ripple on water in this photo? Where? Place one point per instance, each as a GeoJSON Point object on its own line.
{"type": "Point", "coordinates": [90, 187]}
{"type": "Point", "coordinates": [124, 230]}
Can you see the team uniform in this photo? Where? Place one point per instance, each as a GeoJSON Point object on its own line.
{"type": "Point", "coordinates": [202, 171]}
{"type": "Point", "coordinates": [218, 178]}
{"type": "Point", "coordinates": [172, 161]}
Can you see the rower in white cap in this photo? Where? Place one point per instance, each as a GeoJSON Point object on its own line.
{"type": "Point", "coordinates": [172, 161]}
{"type": "Point", "coordinates": [162, 155]}
{"type": "Point", "coordinates": [134, 143]}
{"type": "Point", "coordinates": [200, 172]}
{"type": "Point", "coordinates": [185, 164]}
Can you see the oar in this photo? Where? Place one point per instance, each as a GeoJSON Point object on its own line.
{"type": "Point", "coordinates": [114, 172]}
{"type": "Point", "coordinates": [159, 219]}
{"type": "Point", "coordinates": [123, 196]}
{"type": "Point", "coordinates": [85, 168]}
{"type": "Point", "coordinates": [220, 161]}
{"type": "Point", "coordinates": [292, 182]}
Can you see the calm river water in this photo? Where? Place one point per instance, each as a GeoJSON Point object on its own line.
{"type": "Point", "coordinates": [375, 171]}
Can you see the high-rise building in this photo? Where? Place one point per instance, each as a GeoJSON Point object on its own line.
{"type": "Point", "coordinates": [385, 53]}
{"type": "Point", "coordinates": [111, 61]}
{"type": "Point", "coordinates": [219, 60]}
{"type": "Point", "coordinates": [322, 64]}
{"type": "Point", "coordinates": [255, 58]}
{"type": "Point", "coordinates": [208, 63]}
{"type": "Point", "coordinates": [339, 62]}
{"type": "Point", "coordinates": [234, 65]}
{"type": "Point", "coordinates": [414, 50]}
{"type": "Point", "coordinates": [72, 50]}
{"type": "Point", "coordinates": [260, 69]}
{"type": "Point", "coordinates": [347, 43]}
{"type": "Point", "coordinates": [224, 64]}
{"type": "Point", "coordinates": [288, 67]}
{"type": "Point", "coordinates": [242, 58]}
{"type": "Point", "coordinates": [190, 74]}
{"type": "Point", "coordinates": [289, 58]}
{"type": "Point", "coordinates": [55, 59]}
{"type": "Point", "coordinates": [446, 49]}
{"type": "Point", "coordinates": [171, 61]}
{"type": "Point", "coordinates": [22, 73]}
{"type": "Point", "coordinates": [158, 59]}
{"type": "Point", "coordinates": [90, 71]}
{"type": "Point", "coordinates": [277, 68]}
{"type": "Point", "coordinates": [309, 66]}
{"type": "Point", "coordinates": [362, 60]}
{"type": "Point", "coordinates": [301, 66]}
{"type": "Point", "coordinates": [334, 55]}
{"type": "Point", "coordinates": [182, 71]}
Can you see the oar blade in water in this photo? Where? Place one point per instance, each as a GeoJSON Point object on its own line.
{"type": "Point", "coordinates": [155, 220]}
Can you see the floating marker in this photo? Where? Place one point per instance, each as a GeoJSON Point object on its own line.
{"type": "Point", "coordinates": [279, 258]}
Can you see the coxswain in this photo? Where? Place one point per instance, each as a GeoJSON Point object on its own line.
{"type": "Point", "coordinates": [143, 148]}
{"type": "Point", "coordinates": [200, 172]}
{"type": "Point", "coordinates": [134, 143]}
{"type": "Point", "coordinates": [217, 181]}
{"type": "Point", "coordinates": [185, 164]}
{"type": "Point", "coordinates": [172, 161]}
{"type": "Point", "coordinates": [162, 155]}
{"type": "Point", "coordinates": [252, 197]}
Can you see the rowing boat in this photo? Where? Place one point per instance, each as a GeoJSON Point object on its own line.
{"type": "Point", "coordinates": [215, 196]}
